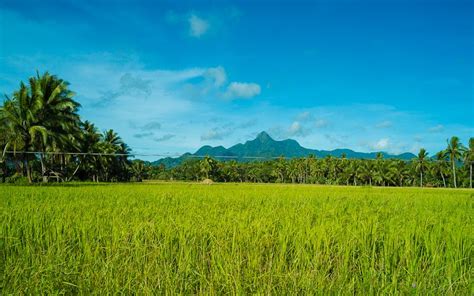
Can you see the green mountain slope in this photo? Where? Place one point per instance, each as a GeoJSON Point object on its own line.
{"type": "Point", "coordinates": [265, 147]}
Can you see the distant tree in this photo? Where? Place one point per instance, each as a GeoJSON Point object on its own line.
{"type": "Point", "coordinates": [366, 171]}
{"type": "Point", "coordinates": [454, 152]}
{"type": "Point", "coordinates": [207, 166]}
{"type": "Point", "coordinates": [138, 169]}
{"type": "Point", "coordinates": [421, 164]}
{"type": "Point", "coordinates": [469, 159]}
{"type": "Point", "coordinates": [440, 167]}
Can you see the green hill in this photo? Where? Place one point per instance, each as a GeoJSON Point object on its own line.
{"type": "Point", "coordinates": [265, 147]}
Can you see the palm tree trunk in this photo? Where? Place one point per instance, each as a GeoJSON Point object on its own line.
{"type": "Point", "coordinates": [421, 178]}
{"type": "Point", "coordinates": [454, 174]}
{"type": "Point", "coordinates": [75, 171]}
{"type": "Point", "coordinates": [43, 169]}
{"type": "Point", "coordinates": [4, 170]}
{"type": "Point", "coordinates": [444, 180]}
{"type": "Point", "coordinates": [470, 176]}
{"type": "Point", "coordinates": [26, 168]}
{"type": "Point", "coordinates": [28, 172]}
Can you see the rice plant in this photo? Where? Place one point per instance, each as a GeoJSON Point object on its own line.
{"type": "Point", "coordinates": [236, 239]}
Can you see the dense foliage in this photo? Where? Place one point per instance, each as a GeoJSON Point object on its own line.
{"type": "Point", "coordinates": [236, 239]}
{"type": "Point", "coordinates": [39, 122]}
{"type": "Point", "coordinates": [447, 169]}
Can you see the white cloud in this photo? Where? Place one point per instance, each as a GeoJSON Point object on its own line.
{"type": "Point", "coordinates": [197, 26]}
{"type": "Point", "coordinates": [381, 144]}
{"type": "Point", "coordinates": [295, 128]}
{"type": "Point", "coordinates": [213, 134]}
{"type": "Point", "coordinates": [320, 123]}
{"type": "Point", "coordinates": [243, 90]}
{"type": "Point", "coordinates": [303, 116]}
{"type": "Point", "coordinates": [216, 76]}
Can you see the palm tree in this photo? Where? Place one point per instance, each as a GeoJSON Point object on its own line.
{"type": "Point", "coordinates": [57, 112]}
{"type": "Point", "coordinates": [440, 166]}
{"type": "Point", "coordinates": [454, 152]}
{"type": "Point", "coordinates": [40, 115]}
{"type": "Point", "coordinates": [279, 169]}
{"type": "Point", "coordinates": [207, 166]}
{"type": "Point", "coordinates": [112, 144]}
{"type": "Point", "coordinates": [421, 164]}
{"type": "Point", "coordinates": [469, 159]}
{"type": "Point", "coordinates": [366, 171]}
{"type": "Point", "coordinates": [138, 170]}
{"type": "Point", "coordinates": [89, 144]}
{"type": "Point", "coordinates": [20, 116]}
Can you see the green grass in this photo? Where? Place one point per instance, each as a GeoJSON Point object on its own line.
{"type": "Point", "coordinates": [235, 238]}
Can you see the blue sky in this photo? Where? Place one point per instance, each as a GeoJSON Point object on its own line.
{"type": "Point", "coordinates": [171, 77]}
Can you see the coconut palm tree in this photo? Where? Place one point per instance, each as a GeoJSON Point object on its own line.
{"type": "Point", "coordinates": [440, 166]}
{"type": "Point", "coordinates": [113, 165]}
{"type": "Point", "coordinates": [399, 172]}
{"type": "Point", "coordinates": [138, 169]}
{"type": "Point", "coordinates": [279, 169]}
{"type": "Point", "coordinates": [454, 152]}
{"type": "Point", "coordinates": [421, 163]}
{"type": "Point", "coordinates": [366, 171]}
{"type": "Point", "coordinates": [207, 166]}
{"type": "Point", "coordinates": [19, 115]}
{"type": "Point", "coordinates": [57, 112]}
{"type": "Point", "coordinates": [469, 159]}
{"type": "Point", "coordinates": [40, 115]}
{"type": "Point", "coordinates": [90, 142]}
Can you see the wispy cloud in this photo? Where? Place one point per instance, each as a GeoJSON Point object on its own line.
{"type": "Point", "coordinates": [152, 125]}
{"type": "Point", "coordinates": [381, 144]}
{"type": "Point", "coordinates": [242, 90]}
{"type": "Point", "coordinates": [436, 129]}
{"type": "Point", "coordinates": [216, 76]}
{"type": "Point", "coordinates": [213, 134]}
{"type": "Point", "coordinates": [320, 123]}
{"type": "Point", "coordinates": [197, 26]}
{"type": "Point", "coordinates": [164, 138]}
{"type": "Point", "coordinates": [304, 116]}
{"type": "Point", "coordinates": [384, 124]}
{"type": "Point", "coordinates": [143, 135]}
{"type": "Point", "coordinates": [129, 85]}
{"type": "Point", "coordinates": [297, 129]}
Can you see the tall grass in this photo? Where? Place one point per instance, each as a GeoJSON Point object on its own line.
{"type": "Point", "coordinates": [235, 238]}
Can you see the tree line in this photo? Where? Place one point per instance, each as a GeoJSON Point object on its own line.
{"type": "Point", "coordinates": [40, 122]}
{"type": "Point", "coordinates": [452, 167]}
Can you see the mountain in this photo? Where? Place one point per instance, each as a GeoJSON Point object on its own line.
{"type": "Point", "coordinates": [264, 146]}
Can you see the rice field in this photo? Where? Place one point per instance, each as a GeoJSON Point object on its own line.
{"type": "Point", "coordinates": [235, 239]}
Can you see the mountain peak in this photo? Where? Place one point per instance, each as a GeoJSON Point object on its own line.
{"type": "Point", "coordinates": [264, 146]}
{"type": "Point", "coordinates": [264, 137]}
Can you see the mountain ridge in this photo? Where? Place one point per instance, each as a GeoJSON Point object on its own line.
{"type": "Point", "coordinates": [264, 146]}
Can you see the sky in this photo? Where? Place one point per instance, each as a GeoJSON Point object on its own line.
{"type": "Point", "coordinates": [171, 76]}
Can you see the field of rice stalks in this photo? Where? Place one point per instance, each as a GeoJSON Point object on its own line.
{"type": "Point", "coordinates": [235, 238]}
